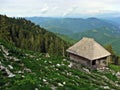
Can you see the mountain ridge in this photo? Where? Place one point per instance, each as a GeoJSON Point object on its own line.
{"type": "Point", "coordinates": [71, 25]}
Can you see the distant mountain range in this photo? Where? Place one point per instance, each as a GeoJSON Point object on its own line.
{"type": "Point", "coordinates": [105, 31]}
{"type": "Point", "coordinates": [71, 25]}
{"type": "Point", "coordinates": [115, 21]}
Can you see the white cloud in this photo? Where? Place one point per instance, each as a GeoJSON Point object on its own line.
{"type": "Point", "coordinates": [58, 7]}
{"type": "Point", "coordinates": [54, 8]}
{"type": "Point", "coordinates": [45, 9]}
{"type": "Point", "coordinates": [69, 11]}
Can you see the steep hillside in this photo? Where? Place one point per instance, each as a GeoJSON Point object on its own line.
{"type": "Point", "coordinates": [71, 25]}
{"type": "Point", "coordinates": [28, 70]}
{"type": "Point", "coordinates": [27, 35]}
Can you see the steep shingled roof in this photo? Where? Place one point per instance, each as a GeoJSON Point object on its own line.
{"type": "Point", "coordinates": [88, 48]}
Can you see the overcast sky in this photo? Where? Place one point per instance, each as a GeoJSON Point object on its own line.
{"type": "Point", "coordinates": [60, 8]}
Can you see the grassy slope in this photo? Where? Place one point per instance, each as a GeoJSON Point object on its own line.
{"type": "Point", "coordinates": [66, 38]}
{"type": "Point", "coordinates": [48, 72]}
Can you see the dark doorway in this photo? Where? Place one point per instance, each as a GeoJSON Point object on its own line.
{"type": "Point", "coordinates": [94, 62]}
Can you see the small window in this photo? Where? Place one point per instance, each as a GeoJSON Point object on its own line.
{"type": "Point", "coordinates": [94, 62]}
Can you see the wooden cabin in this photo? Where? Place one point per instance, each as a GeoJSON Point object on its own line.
{"type": "Point", "coordinates": [89, 53]}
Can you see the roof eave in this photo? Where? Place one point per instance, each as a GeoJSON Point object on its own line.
{"type": "Point", "coordinates": [69, 51]}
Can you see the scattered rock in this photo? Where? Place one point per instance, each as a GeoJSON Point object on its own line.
{"type": "Point", "coordinates": [45, 61]}
{"type": "Point", "coordinates": [22, 64]}
{"type": "Point", "coordinates": [53, 65]}
{"type": "Point", "coordinates": [20, 72]}
{"type": "Point", "coordinates": [6, 71]}
{"type": "Point", "coordinates": [86, 70]}
{"type": "Point", "coordinates": [23, 76]}
{"type": "Point", "coordinates": [69, 74]}
{"type": "Point", "coordinates": [50, 62]}
{"type": "Point", "coordinates": [11, 75]}
{"type": "Point", "coordinates": [56, 69]}
{"type": "Point", "coordinates": [27, 70]}
{"type": "Point", "coordinates": [4, 50]}
{"type": "Point", "coordinates": [58, 65]}
{"type": "Point", "coordinates": [36, 89]}
{"type": "Point", "coordinates": [37, 59]}
{"type": "Point", "coordinates": [16, 59]}
{"type": "Point", "coordinates": [106, 87]}
{"type": "Point", "coordinates": [64, 59]}
{"type": "Point", "coordinates": [29, 55]}
{"type": "Point", "coordinates": [47, 55]}
{"type": "Point", "coordinates": [44, 80]}
{"type": "Point", "coordinates": [116, 85]}
{"type": "Point", "coordinates": [64, 83]}
{"type": "Point", "coordinates": [59, 84]}
{"type": "Point", "coordinates": [1, 67]}
{"type": "Point", "coordinates": [70, 65]}
{"type": "Point", "coordinates": [11, 67]}
{"type": "Point", "coordinates": [53, 88]}
{"type": "Point", "coordinates": [118, 74]}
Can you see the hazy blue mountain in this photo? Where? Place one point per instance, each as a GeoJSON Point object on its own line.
{"type": "Point", "coordinates": [70, 25]}
{"type": "Point", "coordinates": [114, 21]}
{"type": "Point", "coordinates": [98, 33]}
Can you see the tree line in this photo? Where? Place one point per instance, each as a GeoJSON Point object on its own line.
{"type": "Point", "coordinates": [25, 34]}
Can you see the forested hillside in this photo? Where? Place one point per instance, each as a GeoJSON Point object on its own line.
{"type": "Point", "coordinates": [27, 70]}
{"type": "Point", "coordinates": [25, 34]}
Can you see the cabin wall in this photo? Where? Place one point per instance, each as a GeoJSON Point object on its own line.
{"type": "Point", "coordinates": [79, 60]}
{"type": "Point", "coordinates": [102, 62]}
{"type": "Point", "coordinates": [98, 63]}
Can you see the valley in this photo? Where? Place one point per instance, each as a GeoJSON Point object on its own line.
{"type": "Point", "coordinates": [102, 30]}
